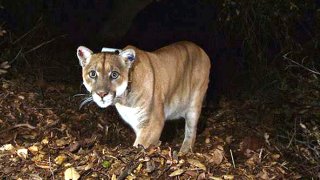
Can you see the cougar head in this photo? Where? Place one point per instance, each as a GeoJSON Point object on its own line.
{"type": "Point", "coordinates": [105, 75]}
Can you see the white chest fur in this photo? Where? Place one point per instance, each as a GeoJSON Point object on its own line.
{"type": "Point", "coordinates": [130, 115]}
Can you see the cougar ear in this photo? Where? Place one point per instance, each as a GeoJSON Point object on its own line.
{"type": "Point", "coordinates": [84, 55]}
{"type": "Point", "coordinates": [129, 55]}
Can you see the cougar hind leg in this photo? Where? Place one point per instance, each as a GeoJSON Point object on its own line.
{"type": "Point", "coordinates": [192, 118]}
{"type": "Point", "coordinates": [190, 133]}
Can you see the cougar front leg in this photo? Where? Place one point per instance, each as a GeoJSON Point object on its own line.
{"type": "Point", "coordinates": [150, 133]}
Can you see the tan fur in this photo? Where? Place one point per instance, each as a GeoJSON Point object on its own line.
{"type": "Point", "coordinates": [169, 83]}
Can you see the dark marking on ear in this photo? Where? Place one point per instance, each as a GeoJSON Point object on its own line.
{"type": "Point", "coordinates": [130, 57]}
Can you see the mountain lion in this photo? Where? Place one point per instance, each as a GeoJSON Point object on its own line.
{"type": "Point", "coordinates": [148, 88]}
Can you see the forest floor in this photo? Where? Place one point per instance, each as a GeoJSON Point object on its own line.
{"type": "Point", "coordinates": [44, 135]}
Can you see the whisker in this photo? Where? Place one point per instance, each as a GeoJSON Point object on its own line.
{"type": "Point", "coordinates": [76, 95]}
{"type": "Point", "coordinates": [85, 101]}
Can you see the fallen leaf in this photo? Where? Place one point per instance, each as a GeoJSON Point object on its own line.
{"type": "Point", "coordinates": [201, 176]}
{"type": "Point", "coordinates": [217, 155]}
{"type": "Point", "coordinates": [215, 178]}
{"type": "Point", "coordinates": [229, 139]}
{"type": "Point", "coordinates": [114, 177]}
{"type": "Point", "coordinates": [150, 166]}
{"type": "Point", "coordinates": [43, 165]}
{"type": "Point", "coordinates": [176, 172]}
{"type": "Point", "coordinates": [263, 175]}
{"type": "Point", "coordinates": [197, 163]}
{"type": "Point", "coordinates": [61, 142]}
{"type": "Point", "coordinates": [251, 142]}
{"type": "Point", "coordinates": [35, 177]}
{"type": "Point", "coordinates": [45, 141]}
{"type": "Point", "coordinates": [191, 173]}
{"type": "Point", "coordinates": [74, 146]}
{"type": "Point", "coordinates": [33, 149]}
{"type": "Point", "coordinates": [207, 141]}
{"type": "Point", "coordinates": [228, 177]}
{"type": "Point", "coordinates": [88, 166]}
{"type": "Point", "coordinates": [23, 153]}
{"type": "Point", "coordinates": [6, 147]}
{"type": "Point", "coordinates": [106, 164]}
{"type": "Point", "coordinates": [71, 174]}
{"type": "Point", "coordinates": [60, 159]}
{"type": "Point", "coordinates": [275, 156]}
{"type": "Point", "coordinates": [37, 158]}
{"type": "Point", "coordinates": [139, 167]}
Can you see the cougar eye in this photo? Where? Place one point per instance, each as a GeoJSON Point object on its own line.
{"type": "Point", "coordinates": [92, 74]}
{"type": "Point", "coordinates": [114, 75]}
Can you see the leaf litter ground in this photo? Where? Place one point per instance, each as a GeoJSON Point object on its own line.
{"type": "Point", "coordinates": [44, 135]}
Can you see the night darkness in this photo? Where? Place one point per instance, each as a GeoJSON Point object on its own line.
{"type": "Point", "coordinates": [263, 95]}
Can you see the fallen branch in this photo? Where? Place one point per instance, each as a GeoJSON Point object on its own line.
{"type": "Point", "coordinates": [25, 34]}
{"type": "Point", "coordinates": [17, 126]}
{"type": "Point", "coordinates": [42, 44]}
{"type": "Point", "coordinates": [24, 125]}
{"type": "Point", "coordinates": [300, 65]}
{"type": "Point", "coordinates": [14, 59]}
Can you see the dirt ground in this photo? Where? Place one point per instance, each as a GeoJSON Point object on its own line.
{"type": "Point", "coordinates": [44, 135]}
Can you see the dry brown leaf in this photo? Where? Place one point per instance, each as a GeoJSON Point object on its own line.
{"type": "Point", "coordinates": [45, 141]}
{"type": "Point", "coordinates": [71, 174]}
{"type": "Point", "coordinates": [191, 173]}
{"type": "Point", "coordinates": [217, 155]}
{"type": "Point", "coordinates": [150, 166]}
{"type": "Point", "coordinates": [215, 178]}
{"type": "Point", "coordinates": [263, 175]}
{"type": "Point", "coordinates": [61, 142]}
{"type": "Point", "coordinates": [23, 153]}
{"type": "Point", "coordinates": [227, 176]}
{"type": "Point", "coordinates": [275, 156]}
{"type": "Point", "coordinates": [37, 158]}
{"type": "Point", "coordinates": [251, 142]}
{"type": "Point", "coordinates": [6, 147]}
{"type": "Point", "coordinates": [60, 159]}
{"type": "Point", "coordinates": [43, 165]}
{"type": "Point", "coordinates": [229, 139]}
{"type": "Point", "coordinates": [34, 149]}
{"type": "Point", "coordinates": [114, 177]}
{"type": "Point", "coordinates": [202, 176]}
{"type": "Point", "coordinates": [197, 163]}
{"type": "Point", "coordinates": [176, 172]}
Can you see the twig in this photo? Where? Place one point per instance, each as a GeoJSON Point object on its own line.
{"type": "Point", "coordinates": [50, 167]}
{"type": "Point", "coordinates": [294, 133]}
{"type": "Point", "coordinates": [131, 166]}
{"type": "Point", "coordinates": [234, 164]}
{"type": "Point", "coordinates": [260, 154]}
{"type": "Point", "coordinates": [42, 44]}
{"type": "Point", "coordinates": [14, 59]}
{"type": "Point", "coordinates": [300, 65]}
{"type": "Point", "coordinates": [17, 126]}
{"type": "Point", "coordinates": [23, 125]}
{"type": "Point", "coordinates": [25, 34]}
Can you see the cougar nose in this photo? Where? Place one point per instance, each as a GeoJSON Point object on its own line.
{"type": "Point", "coordinates": [102, 94]}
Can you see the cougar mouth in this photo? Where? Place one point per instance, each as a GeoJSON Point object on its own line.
{"type": "Point", "coordinates": [105, 101]}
